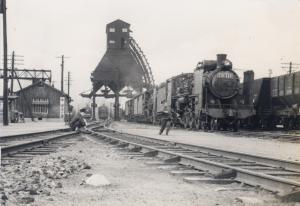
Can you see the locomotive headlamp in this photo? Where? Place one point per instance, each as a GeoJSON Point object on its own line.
{"type": "Point", "coordinates": [227, 64]}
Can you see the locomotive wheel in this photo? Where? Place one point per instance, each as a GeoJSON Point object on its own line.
{"type": "Point", "coordinates": [219, 125]}
{"type": "Point", "coordinates": [192, 123]}
{"type": "Point", "coordinates": [213, 124]}
{"type": "Point", "coordinates": [206, 126]}
{"type": "Point", "coordinates": [236, 125]}
{"type": "Point", "coordinates": [186, 123]}
{"type": "Point", "coordinates": [198, 124]}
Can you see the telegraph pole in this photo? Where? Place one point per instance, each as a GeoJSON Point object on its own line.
{"type": "Point", "coordinates": [5, 80]}
{"type": "Point", "coordinates": [69, 98]}
{"type": "Point", "coordinates": [13, 60]}
{"type": "Point", "coordinates": [69, 83]}
{"type": "Point", "coordinates": [12, 72]}
{"type": "Point", "coordinates": [62, 73]}
{"type": "Point", "coordinates": [290, 66]}
{"type": "Point", "coordinates": [62, 65]}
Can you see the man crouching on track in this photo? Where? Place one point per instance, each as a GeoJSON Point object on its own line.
{"type": "Point", "coordinates": [167, 120]}
{"type": "Point", "coordinates": [78, 121]}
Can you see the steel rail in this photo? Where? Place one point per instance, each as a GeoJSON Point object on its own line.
{"type": "Point", "coordinates": [7, 150]}
{"type": "Point", "coordinates": [264, 134]}
{"type": "Point", "coordinates": [11, 137]}
{"type": "Point", "coordinates": [12, 149]}
{"type": "Point", "coordinates": [284, 188]}
{"type": "Point", "coordinates": [288, 165]}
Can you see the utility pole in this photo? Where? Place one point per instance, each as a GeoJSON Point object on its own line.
{"type": "Point", "coordinates": [69, 83]}
{"type": "Point", "coordinates": [5, 80]}
{"type": "Point", "coordinates": [69, 98]}
{"type": "Point", "coordinates": [12, 72]}
{"type": "Point", "coordinates": [62, 73]}
{"type": "Point", "coordinates": [62, 65]}
{"type": "Point", "coordinates": [12, 61]}
{"type": "Point", "coordinates": [290, 66]}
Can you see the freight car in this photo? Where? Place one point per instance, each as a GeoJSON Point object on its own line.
{"type": "Point", "coordinates": [276, 101]}
{"type": "Point", "coordinates": [103, 112]}
{"type": "Point", "coordinates": [208, 98]}
{"type": "Point", "coordinates": [141, 107]}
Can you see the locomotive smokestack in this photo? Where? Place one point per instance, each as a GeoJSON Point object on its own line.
{"type": "Point", "coordinates": [220, 59]}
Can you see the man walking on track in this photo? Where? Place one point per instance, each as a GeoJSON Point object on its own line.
{"type": "Point", "coordinates": [167, 120]}
{"type": "Point", "coordinates": [166, 123]}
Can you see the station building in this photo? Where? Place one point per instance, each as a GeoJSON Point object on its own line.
{"type": "Point", "coordinates": [41, 100]}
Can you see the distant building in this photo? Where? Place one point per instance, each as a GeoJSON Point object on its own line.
{"type": "Point", "coordinates": [11, 106]}
{"type": "Point", "coordinates": [42, 100]}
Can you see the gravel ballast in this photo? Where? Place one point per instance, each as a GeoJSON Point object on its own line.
{"type": "Point", "coordinates": [61, 179]}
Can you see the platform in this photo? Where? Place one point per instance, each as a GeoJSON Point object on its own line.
{"type": "Point", "coordinates": [30, 127]}
{"type": "Point", "coordinates": [263, 147]}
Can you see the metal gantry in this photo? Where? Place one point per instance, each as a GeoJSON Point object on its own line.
{"type": "Point", "coordinates": [28, 74]}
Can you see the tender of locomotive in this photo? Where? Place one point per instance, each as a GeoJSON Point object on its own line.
{"type": "Point", "coordinates": [208, 98]}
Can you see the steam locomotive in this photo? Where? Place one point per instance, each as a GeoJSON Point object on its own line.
{"type": "Point", "coordinates": [209, 98]}
{"type": "Point", "coordinates": [103, 112]}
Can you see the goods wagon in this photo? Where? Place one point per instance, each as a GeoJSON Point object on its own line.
{"type": "Point", "coordinates": [276, 101]}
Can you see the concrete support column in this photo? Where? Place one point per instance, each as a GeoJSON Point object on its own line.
{"type": "Point", "coordinates": [117, 107]}
{"type": "Point", "coordinates": [94, 108]}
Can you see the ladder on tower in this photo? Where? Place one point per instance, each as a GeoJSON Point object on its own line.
{"type": "Point", "coordinates": [142, 60]}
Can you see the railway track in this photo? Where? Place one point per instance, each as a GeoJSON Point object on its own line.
{"type": "Point", "coordinates": [278, 176]}
{"type": "Point", "coordinates": [25, 146]}
{"type": "Point", "coordinates": [21, 139]}
{"type": "Point", "coordinates": [278, 135]}
{"type": "Point", "coordinates": [4, 139]}
{"type": "Point", "coordinates": [26, 150]}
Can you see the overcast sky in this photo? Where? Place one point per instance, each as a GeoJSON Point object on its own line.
{"type": "Point", "coordinates": [174, 34]}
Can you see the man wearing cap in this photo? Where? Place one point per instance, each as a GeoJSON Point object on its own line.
{"type": "Point", "coordinates": [78, 121]}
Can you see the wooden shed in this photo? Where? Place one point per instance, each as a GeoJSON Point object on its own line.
{"type": "Point", "coordinates": [42, 100]}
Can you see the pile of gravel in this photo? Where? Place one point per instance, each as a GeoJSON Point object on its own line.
{"type": "Point", "coordinates": [19, 184]}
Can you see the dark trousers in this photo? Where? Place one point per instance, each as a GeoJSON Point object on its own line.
{"type": "Point", "coordinates": [77, 124]}
{"type": "Point", "coordinates": [166, 123]}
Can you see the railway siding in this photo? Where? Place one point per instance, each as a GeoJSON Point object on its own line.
{"type": "Point", "coordinates": [24, 146]}
{"type": "Point", "coordinates": [284, 182]}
